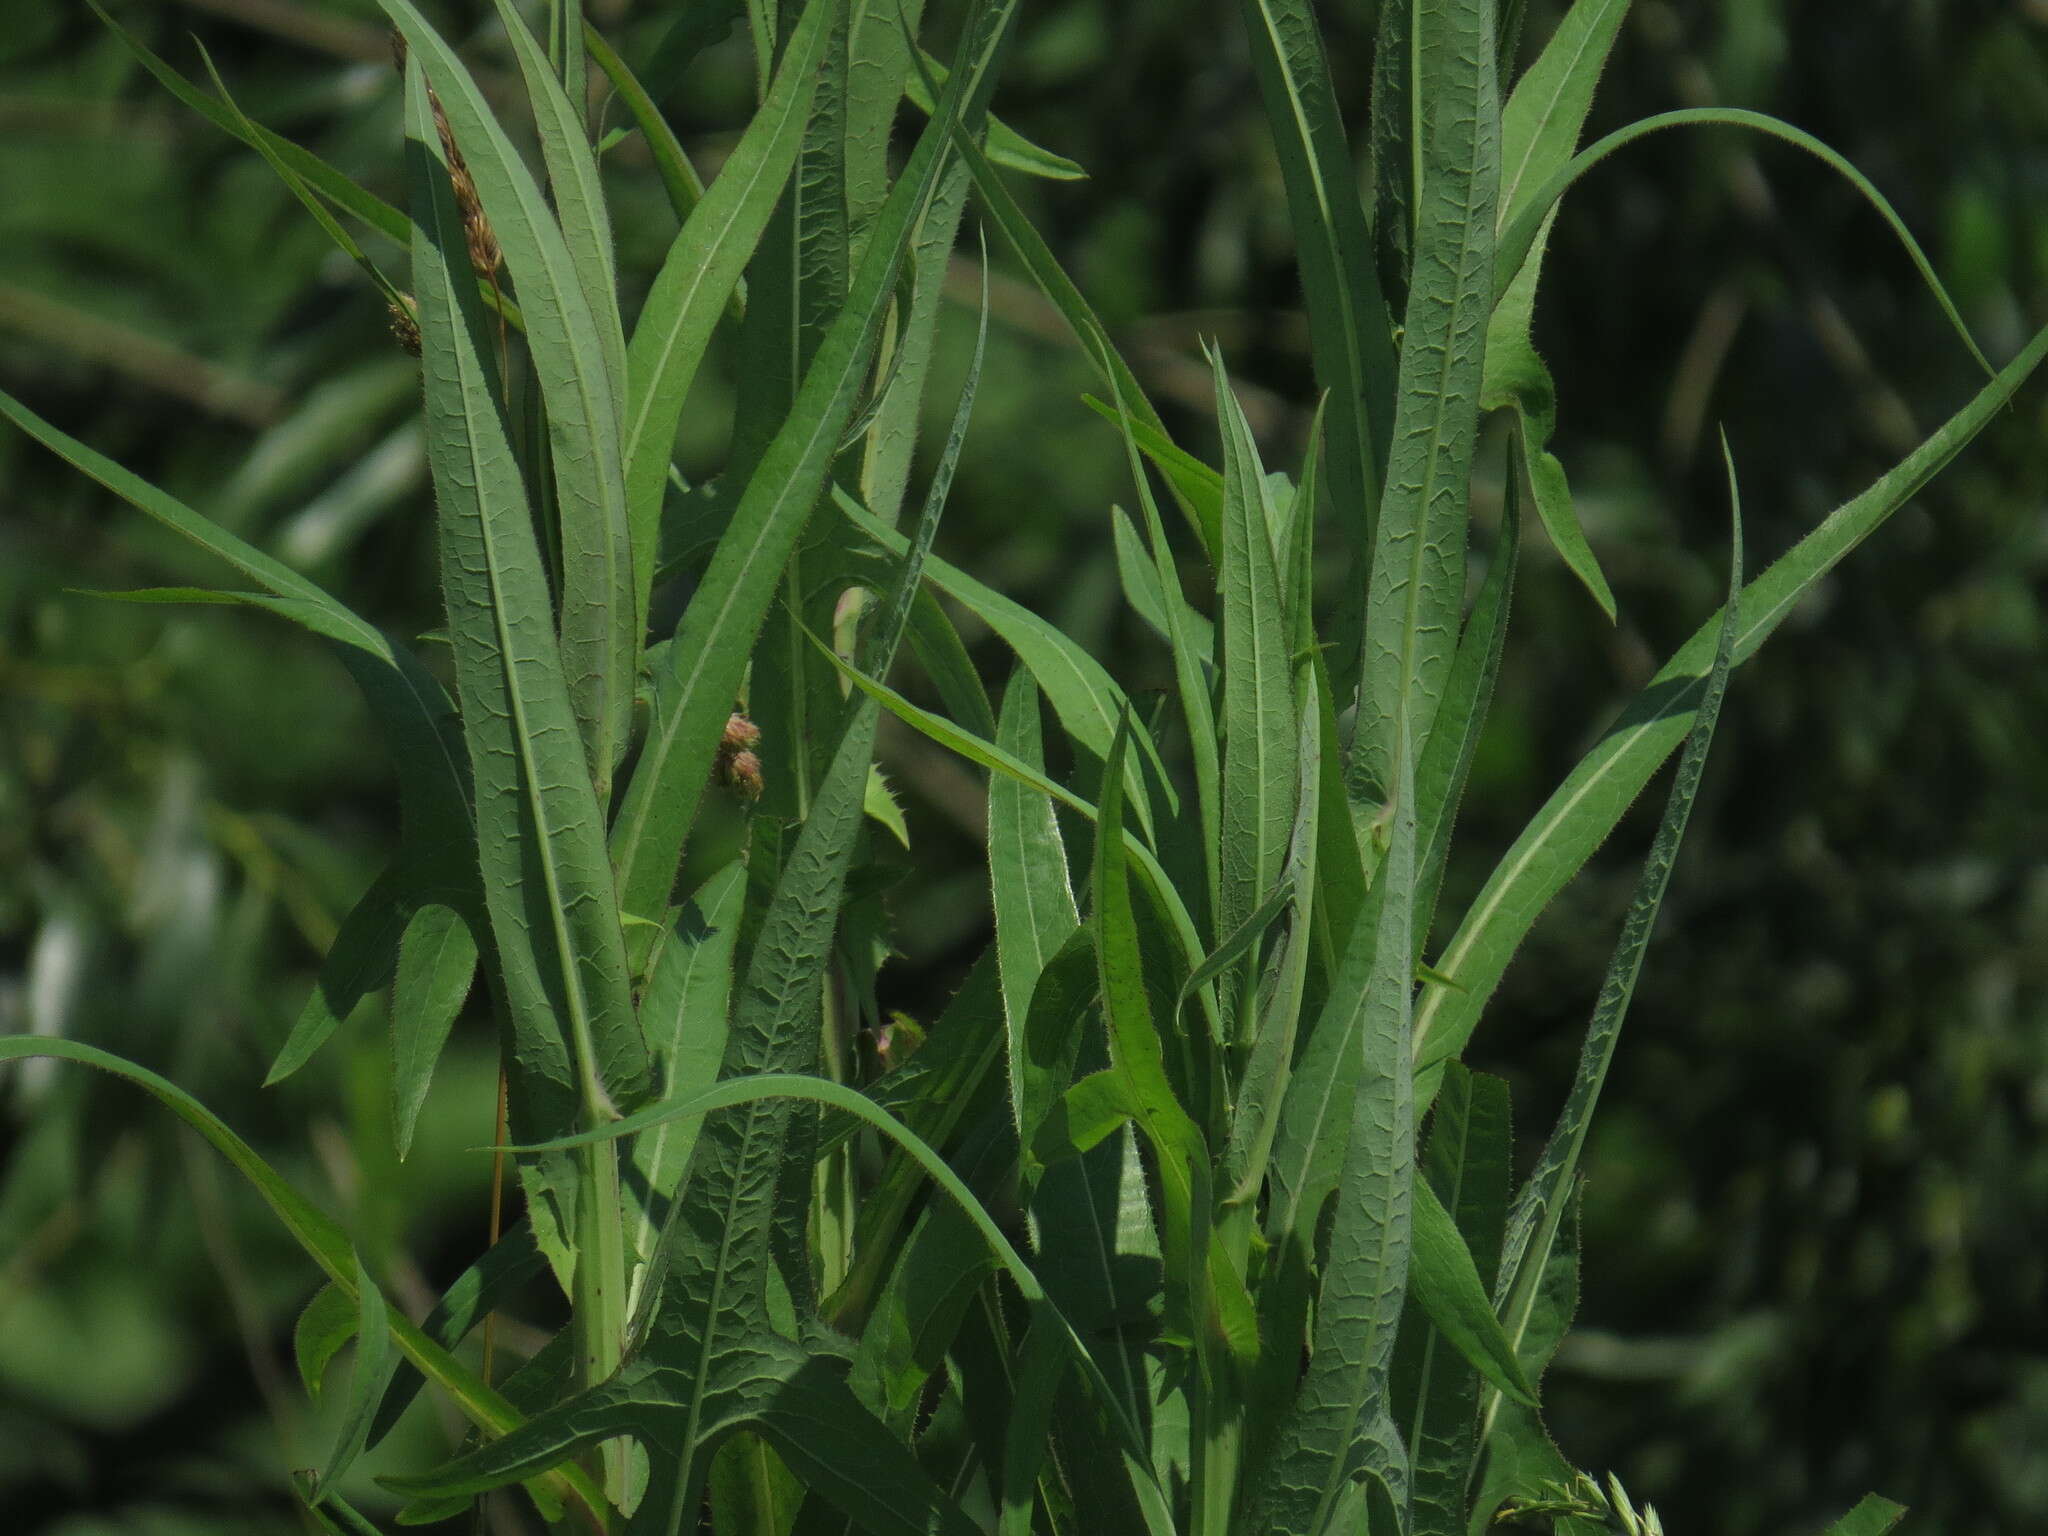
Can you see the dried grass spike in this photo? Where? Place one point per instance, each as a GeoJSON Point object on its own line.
{"type": "Point", "coordinates": [484, 252]}
{"type": "Point", "coordinates": [405, 323]}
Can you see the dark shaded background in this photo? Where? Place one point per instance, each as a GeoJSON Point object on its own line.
{"type": "Point", "coordinates": [1818, 1184]}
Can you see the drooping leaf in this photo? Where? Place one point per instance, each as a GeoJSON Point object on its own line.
{"type": "Point", "coordinates": [1585, 807]}
{"type": "Point", "coordinates": [328, 1246]}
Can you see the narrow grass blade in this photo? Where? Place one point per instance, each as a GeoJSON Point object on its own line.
{"type": "Point", "coordinates": [436, 964]}
{"type": "Point", "coordinates": [1033, 899]}
{"type": "Point", "coordinates": [315, 172]}
{"type": "Point", "coordinates": [1519, 235]}
{"type": "Point", "coordinates": [1418, 569]}
{"type": "Point", "coordinates": [1539, 1207]}
{"type": "Point", "coordinates": [1088, 329]}
{"type": "Point", "coordinates": [345, 242]}
{"type": "Point", "coordinates": [1350, 329]}
{"type": "Point", "coordinates": [679, 178]}
{"type": "Point", "coordinates": [699, 276]}
{"type": "Point", "coordinates": [328, 1246]}
{"type": "Point", "coordinates": [1158, 887]}
{"type": "Point", "coordinates": [1584, 809]}
{"type": "Point", "coordinates": [599, 637]}
{"type": "Point", "coordinates": [1007, 148]}
{"type": "Point", "coordinates": [717, 630]}
{"type": "Point", "coordinates": [1195, 482]}
{"type": "Point", "coordinates": [1081, 691]}
{"type": "Point", "coordinates": [1258, 717]}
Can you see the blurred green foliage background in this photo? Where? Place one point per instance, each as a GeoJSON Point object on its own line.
{"type": "Point", "coordinates": [1819, 1181]}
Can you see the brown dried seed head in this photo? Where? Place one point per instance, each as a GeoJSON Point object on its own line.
{"type": "Point", "coordinates": [484, 254]}
{"type": "Point", "coordinates": [398, 50]}
{"type": "Point", "coordinates": [740, 733]}
{"type": "Point", "coordinates": [744, 775]}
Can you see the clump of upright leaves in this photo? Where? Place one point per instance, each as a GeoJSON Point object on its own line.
{"type": "Point", "coordinates": [1185, 1216]}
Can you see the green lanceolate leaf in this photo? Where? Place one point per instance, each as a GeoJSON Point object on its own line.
{"type": "Point", "coordinates": [573, 184]}
{"type": "Point", "coordinates": [1258, 721]}
{"type": "Point", "coordinates": [576, 1048]}
{"type": "Point", "coordinates": [1349, 327]}
{"type": "Point", "coordinates": [1447, 1285]}
{"type": "Point", "coordinates": [1539, 126]}
{"type": "Point", "coordinates": [366, 1382]}
{"type": "Point", "coordinates": [1339, 1426]}
{"type": "Point", "coordinates": [436, 964]}
{"type": "Point", "coordinates": [328, 1246]}
{"type": "Point", "coordinates": [1584, 809]}
{"type": "Point", "coordinates": [1192, 640]}
{"type": "Point", "coordinates": [1539, 129]}
{"type": "Point", "coordinates": [1872, 1516]}
{"type": "Point", "coordinates": [718, 628]}
{"type": "Point", "coordinates": [1034, 903]}
{"type": "Point", "coordinates": [1539, 1208]}
{"type": "Point", "coordinates": [684, 1016]}
{"type": "Point", "coordinates": [1418, 568]}
{"type": "Point", "coordinates": [699, 275]}
{"type": "Point", "coordinates": [327, 1323]}
{"type": "Point", "coordinates": [599, 640]}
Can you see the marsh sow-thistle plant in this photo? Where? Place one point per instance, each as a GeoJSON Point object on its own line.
{"type": "Point", "coordinates": [1186, 1216]}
